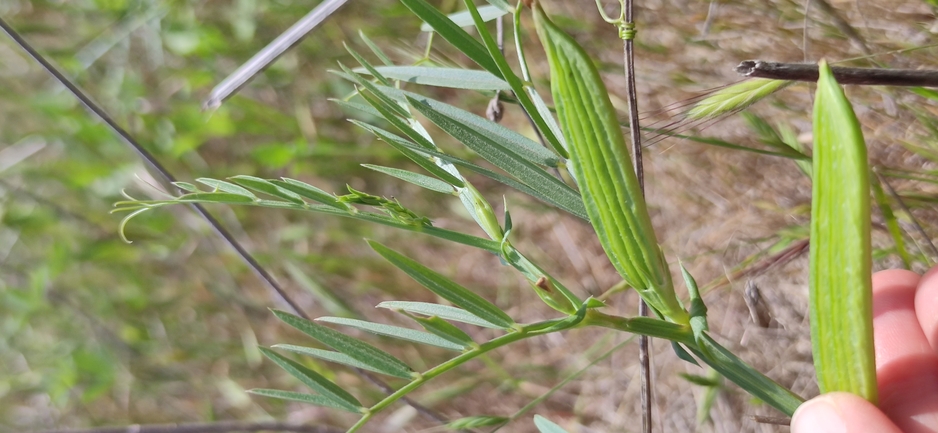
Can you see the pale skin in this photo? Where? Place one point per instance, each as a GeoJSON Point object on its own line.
{"type": "Point", "coordinates": [905, 328]}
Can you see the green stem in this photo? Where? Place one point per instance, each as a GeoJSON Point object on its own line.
{"type": "Point", "coordinates": [523, 333]}
{"type": "Point", "coordinates": [710, 352]}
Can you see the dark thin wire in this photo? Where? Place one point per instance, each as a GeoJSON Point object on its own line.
{"type": "Point", "coordinates": [635, 132]}
{"type": "Point", "coordinates": [167, 176]}
{"type": "Point", "coordinates": [151, 160]}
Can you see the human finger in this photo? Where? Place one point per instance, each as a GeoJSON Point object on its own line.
{"type": "Point", "coordinates": [906, 365]}
{"type": "Point", "coordinates": [840, 412]}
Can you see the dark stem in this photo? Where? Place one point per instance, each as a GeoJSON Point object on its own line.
{"type": "Point", "coordinates": [216, 427]}
{"type": "Point", "coordinates": [151, 160]}
{"type": "Point", "coordinates": [635, 133]}
{"type": "Point", "coordinates": [861, 76]}
{"type": "Point", "coordinates": [168, 177]}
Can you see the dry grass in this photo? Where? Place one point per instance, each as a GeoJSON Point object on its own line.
{"type": "Point", "coordinates": [712, 208]}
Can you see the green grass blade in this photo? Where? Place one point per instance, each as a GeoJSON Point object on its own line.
{"type": "Point", "coordinates": [441, 311]}
{"type": "Point", "coordinates": [394, 332]}
{"type": "Point", "coordinates": [453, 78]}
{"type": "Point", "coordinates": [517, 86]}
{"type": "Point", "coordinates": [356, 349]}
{"type": "Point", "coordinates": [316, 400]}
{"type": "Point", "coordinates": [476, 422]}
{"type": "Point", "coordinates": [326, 355]}
{"type": "Point", "coordinates": [841, 282]}
{"type": "Point", "coordinates": [454, 34]}
{"type": "Point", "coordinates": [445, 288]}
{"type": "Point", "coordinates": [892, 223]}
{"type": "Point", "coordinates": [387, 103]}
{"type": "Point", "coordinates": [418, 179]}
{"type": "Point", "coordinates": [315, 381]}
{"type": "Point", "coordinates": [464, 19]}
{"type": "Point", "coordinates": [264, 186]}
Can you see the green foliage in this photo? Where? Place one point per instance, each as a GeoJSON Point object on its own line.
{"type": "Point", "coordinates": [186, 313]}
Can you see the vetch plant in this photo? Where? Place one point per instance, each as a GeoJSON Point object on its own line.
{"type": "Point", "coordinates": [596, 183]}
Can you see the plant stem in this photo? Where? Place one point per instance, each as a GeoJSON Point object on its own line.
{"type": "Point", "coordinates": [539, 329]}
{"type": "Point", "coordinates": [862, 76]}
{"type": "Point", "coordinates": [712, 353]}
{"type": "Point", "coordinates": [635, 133]}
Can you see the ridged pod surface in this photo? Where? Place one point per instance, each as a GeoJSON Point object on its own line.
{"type": "Point", "coordinates": [603, 170]}
{"type": "Point", "coordinates": [841, 284]}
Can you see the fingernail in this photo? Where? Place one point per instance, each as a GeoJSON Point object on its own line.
{"type": "Point", "coordinates": [820, 415]}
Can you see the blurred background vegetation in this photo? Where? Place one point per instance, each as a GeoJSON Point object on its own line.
{"type": "Point", "coordinates": [94, 331]}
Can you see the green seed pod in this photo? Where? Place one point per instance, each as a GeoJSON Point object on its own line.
{"type": "Point", "coordinates": [603, 170]}
{"type": "Point", "coordinates": [841, 283]}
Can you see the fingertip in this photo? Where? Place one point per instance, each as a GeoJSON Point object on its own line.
{"type": "Point", "coordinates": [926, 306]}
{"type": "Point", "coordinates": [840, 412]}
{"type": "Point", "coordinates": [895, 277]}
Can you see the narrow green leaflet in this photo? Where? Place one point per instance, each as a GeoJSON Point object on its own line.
{"type": "Point", "coordinates": [841, 254]}
{"type": "Point", "coordinates": [378, 52]}
{"type": "Point", "coordinates": [216, 197]}
{"type": "Point", "coordinates": [445, 330]}
{"type": "Point", "coordinates": [186, 186]}
{"type": "Point", "coordinates": [223, 186]}
{"type": "Point", "coordinates": [441, 311]}
{"type": "Point", "coordinates": [315, 381]}
{"type": "Point", "coordinates": [400, 143]}
{"type": "Point", "coordinates": [453, 34]}
{"type": "Point", "coordinates": [420, 180]}
{"type": "Point", "coordinates": [464, 19]}
{"type": "Point", "coordinates": [545, 425]}
{"type": "Point", "coordinates": [742, 374]}
{"type": "Point", "coordinates": [526, 148]}
{"type": "Point", "coordinates": [264, 186]}
{"type": "Point", "coordinates": [312, 399]}
{"type": "Point", "coordinates": [445, 288]}
{"type": "Point", "coordinates": [453, 78]}
{"type": "Point", "coordinates": [394, 332]}
{"type": "Point", "coordinates": [366, 65]}
{"type": "Point", "coordinates": [306, 190]}
{"type": "Point", "coordinates": [516, 84]}
{"type": "Point", "coordinates": [501, 156]}
{"type": "Point", "coordinates": [417, 154]}
{"type": "Point", "coordinates": [326, 355]}
{"type": "Point", "coordinates": [387, 103]}
{"type": "Point", "coordinates": [356, 349]}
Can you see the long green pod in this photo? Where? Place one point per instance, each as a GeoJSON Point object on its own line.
{"type": "Point", "coordinates": [841, 284]}
{"type": "Point", "coordinates": [603, 170]}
